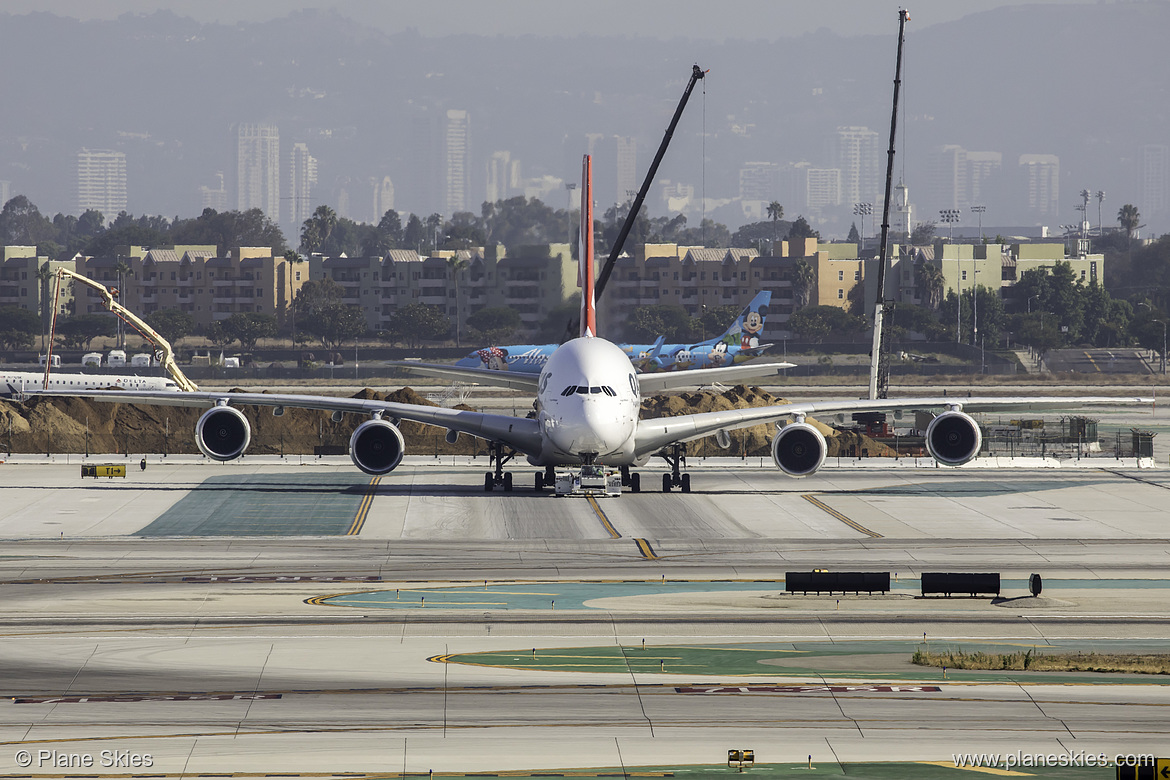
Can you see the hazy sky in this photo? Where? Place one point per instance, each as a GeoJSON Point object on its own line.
{"type": "Point", "coordinates": [768, 19]}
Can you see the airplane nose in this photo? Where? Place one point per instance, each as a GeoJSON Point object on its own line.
{"type": "Point", "coordinates": [593, 428]}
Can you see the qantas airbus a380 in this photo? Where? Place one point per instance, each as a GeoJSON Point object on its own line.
{"type": "Point", "coordinates": [588, 398]}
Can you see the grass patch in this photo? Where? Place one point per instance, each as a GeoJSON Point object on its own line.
{"type": "Point", "coordinates": [1031, 661]}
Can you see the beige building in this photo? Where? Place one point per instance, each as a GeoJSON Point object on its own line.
{"type": "Point", "coordinates": [21, 284]}
{"type": "Point", "coordinates": [533, 281]}
{"type": "Point", "coordinates": [192, 279]}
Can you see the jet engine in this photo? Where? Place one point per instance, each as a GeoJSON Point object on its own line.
{"type": "Point", "coordinates": [223, 433]}
{"type": "Point", "coordinates": [953, 438]}
{"type": "Point", "coordinates": [799, 449]}
{"type": "Point", "coordinates": [376, 447]}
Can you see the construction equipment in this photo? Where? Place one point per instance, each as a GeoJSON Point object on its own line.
{"type": "Point", "coordinates": [108, 296]}
{"type": "Point", "coordinates": [606, 269]}
{"type": "Point", "coordinates": [879, 371]}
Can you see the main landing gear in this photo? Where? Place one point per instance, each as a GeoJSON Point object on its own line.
{"type": "Point", "coordinates": [546, 478]}
{"type": "Point", "coordinates": [632, 480]}
{"type": "Point", "coordinates": [676, 456]}
{"type": "Point", "coordinates": [499, 454]}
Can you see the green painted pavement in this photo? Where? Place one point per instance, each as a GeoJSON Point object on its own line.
{"type": "Point", "coordinates": [575, 595]}
{"type": "Point", "coordinates": [545, 595]}
{"type": "Point", "coordinates": [859, 659]}
{"type": "Point", "coordinates": [265, 505]}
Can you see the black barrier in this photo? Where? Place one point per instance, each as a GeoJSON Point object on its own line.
{"type": "Point", "coordinates": [947, 583]}
{"type": "Point", "coordinates": [1035, 584]}
{"type": "Point", "coordinates": [831, 581]}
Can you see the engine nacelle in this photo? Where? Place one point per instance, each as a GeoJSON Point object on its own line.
{"type": "Point", "coordinates": [223, 433]}
{"type": "Point", "coordinates": [953, 438]}
{"type": "Point", "coordinates": [799, 449]}
{"type": "Point", "coordinates": [376, 447]}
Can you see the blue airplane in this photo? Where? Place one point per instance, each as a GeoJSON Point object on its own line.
{"type": "Point", "coordinates": [738, 344]}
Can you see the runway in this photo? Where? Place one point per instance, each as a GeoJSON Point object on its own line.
{"type": "Point", "coordinates": [537, 640]}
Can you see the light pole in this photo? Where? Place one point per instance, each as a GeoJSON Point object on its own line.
{"type": "Point", "coordinates": [1030, 299]}
{"type": "Point", "coordinates": [950, 217]}
{"type": "Point", "coordinates": [980, 210]}
{"type": "Point", "coordinates": [862, 210]}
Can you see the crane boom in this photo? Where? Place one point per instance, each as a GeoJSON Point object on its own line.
{"type": "Point", "coordinates": [108, 297]}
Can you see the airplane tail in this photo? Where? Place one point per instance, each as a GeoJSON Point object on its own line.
{"type": "Point", "coordinates": [748, 326]}
{"type": "Point", "coordinates": [585, 273]}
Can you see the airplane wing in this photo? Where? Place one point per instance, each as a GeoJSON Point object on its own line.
{"type": "Point", "coordinates": [515, 380]}
{"type": "Point", "coordinates": [695, 377]}
{"type": "Point", "coordinates": [519, 433]}
{"type": "Point", "coordinates": [657, 433]}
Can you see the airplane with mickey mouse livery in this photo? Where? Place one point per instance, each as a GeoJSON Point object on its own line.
{"type": "Point", "coordinates": [588, 402]}
{"type": "Point", "coordinates": [738, 344]}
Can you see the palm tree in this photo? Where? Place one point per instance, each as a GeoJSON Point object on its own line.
{"type": "Point", "coordinates": [930, 284]}
{"type": "Point", "coordinates": [456, 264]}
{"type": "Point", "coordinates": [316, 229]}
{"type": "Point", "coordinates": [293, 259]}
{"type": "Point", "coordinates": [1129, 218]}
{"type": "Point", "coordinates": [775, 213]}
{"type": "Point", "coordinates": [44, 274]}
{"type": "Point", "coordinates": [802, 277]}
{"type": "Point", "coordinates": [123, 268]}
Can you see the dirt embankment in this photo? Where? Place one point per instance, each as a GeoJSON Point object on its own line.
{"type": "Point", "coordinates": [75, 425]}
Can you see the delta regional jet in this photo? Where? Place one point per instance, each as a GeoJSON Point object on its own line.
{"type": "Point", "coordinates": [588, 398]}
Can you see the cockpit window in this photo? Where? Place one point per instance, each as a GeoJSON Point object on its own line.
{"type": "Point", "coordinates": [582, 390]}
{"type": "Point", "coordinates": [569, 390]}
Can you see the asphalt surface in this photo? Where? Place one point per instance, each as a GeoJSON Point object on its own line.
{"type": "Point", "coordinates": [233, 646]}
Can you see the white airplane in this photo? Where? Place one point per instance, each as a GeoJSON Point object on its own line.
{"type": "Point", "coordinates": [19, 383]}
{"type": "Point", "coordinates": [588, 398]}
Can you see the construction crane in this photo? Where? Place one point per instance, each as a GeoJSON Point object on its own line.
{"type": "Point", "coordinates": [879, 370]}
{"type": "Point", "coordinates": [166, 355]}
{"type": "Point", "coordinates": [697, 73]}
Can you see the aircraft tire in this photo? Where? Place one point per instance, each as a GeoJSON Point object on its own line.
{"type": "Point", "coordinates": [665, 483]}
{"type": "Point", "coordinates": [686, 483]}
{"type": "Point", "coordinates": [488, 482]}
{"type": "Point", "coordinates": [539, 482]}
{"type": "Point", "coordinates": [635, 482]}
{"type": "Point", "coordinates": [507, 482]}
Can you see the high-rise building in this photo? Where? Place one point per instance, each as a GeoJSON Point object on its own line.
{"type": "Point", "coordinates": [101, 181]}
{"type": "Point", "coordinates": [5, 191]}
{"type": "Point", "coordinates": [856, 151]}
{"type": "Point", "coordinates": [822, 188]}
{"type": "Point", "coordinates": [383, 197]}
{"type": "Point", "coordinates": [456, 163]}
{"type": "Point", "coordinates": [1155, 178]}
{"type": "Point", "coordinates": [947, 177]}
{"type": "Point", "coordinates": [302, 175]}
{"type": "Point", "coordinates": [503, 177]}
{"type": "Point", "coordinates": [258, 169]}
{"type": "Point", "coordinates": [984, 169]}
{"type": "Point", "coordinates": [626, 155]}
{"type": "Point", "coordinates": [1041, 179]}
{"type": "Point", "coordinates": [759, 181]}
{"type": "Point", "coordinates": [214, 197]}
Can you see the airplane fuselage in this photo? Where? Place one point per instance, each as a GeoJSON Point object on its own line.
{"type": "Point", "coordinates": [14, 383]}
{"type": "Point", "coordinates": [587, 405]}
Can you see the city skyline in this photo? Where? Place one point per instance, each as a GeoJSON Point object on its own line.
{"type": "Point", "coordinates": [432, 133]}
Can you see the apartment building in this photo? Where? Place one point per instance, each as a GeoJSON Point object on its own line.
{"type": "Point", "coordinates": [533, 281]}
{"type": "Point", "coordinates": [193, 279]}
{"type": "Point", "coordinates": [22, 285]}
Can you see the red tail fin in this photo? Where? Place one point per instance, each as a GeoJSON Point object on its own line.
{"type": "Point", "coordinates": [585, 276]}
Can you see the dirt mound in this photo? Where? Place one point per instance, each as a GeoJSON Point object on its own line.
{"type": "Point", "coordinates": [78, 425]}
